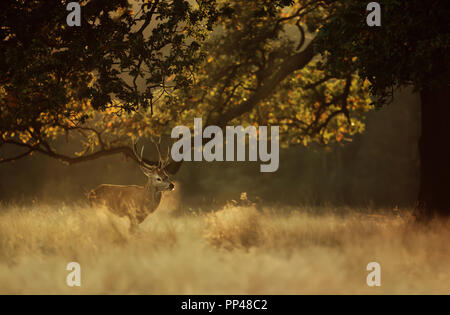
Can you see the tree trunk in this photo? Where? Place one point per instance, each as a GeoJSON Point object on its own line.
{"type": "Point", "coordinates": [434, 150]}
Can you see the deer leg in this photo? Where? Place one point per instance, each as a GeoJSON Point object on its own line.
{"type": "Point", "coordinates": [133, 224]}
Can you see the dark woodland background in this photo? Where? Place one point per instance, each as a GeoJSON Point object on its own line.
{"type": "Point", "coordinates": [378, 168]}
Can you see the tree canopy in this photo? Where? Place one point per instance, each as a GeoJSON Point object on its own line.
{"type": "Point", "coordinates": [409, 49]}
{"type": "Point", "coordinates": [139, 68]}
{"type": "Point", "coordinates": [262, 68]}
{"type": "Point", "coordinates": [51, 74]}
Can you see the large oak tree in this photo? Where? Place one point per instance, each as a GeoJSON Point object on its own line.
{"type": "Point", "coordinates": [411, 48]}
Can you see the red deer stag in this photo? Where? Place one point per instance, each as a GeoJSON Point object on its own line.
{"type": "Point", "coordinates": [136, 202]}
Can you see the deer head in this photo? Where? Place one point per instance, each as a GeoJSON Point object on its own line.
{"type": "Point", "coordinates": [157, 173]}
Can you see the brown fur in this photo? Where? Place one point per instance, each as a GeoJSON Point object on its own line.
{"type": "Point", "coordinates": [133, 201]}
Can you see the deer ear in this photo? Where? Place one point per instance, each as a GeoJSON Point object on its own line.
{"type": "Point", "coordinates": [173, 167]}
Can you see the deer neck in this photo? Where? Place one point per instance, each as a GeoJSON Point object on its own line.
{"type": "Point", "coordinates": [152, 194]}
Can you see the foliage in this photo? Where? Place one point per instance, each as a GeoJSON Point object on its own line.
{"type": "Point", "coordinates": [408, 49]}
{"type": "Point", "coordinates": [257, 66]}
{"type": "Point", "coordinates": [123, 53]}
{"type": "Point", "coordinates": [259, 70]}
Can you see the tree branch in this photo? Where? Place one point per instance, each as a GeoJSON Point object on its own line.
{"type": "Point", "coordinates": [70, 160]}
{"type": "Point", "coordinates": [291, 64]}
{"type": "Point", "coordinates": [148, 18]}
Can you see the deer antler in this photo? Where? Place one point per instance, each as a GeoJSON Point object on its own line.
{"type": "Point", "coordinates": [140, 158]}
{"type": "Point", "coordinates": [158, 148]}
{"type": "Point", "coordinates": [167, 160]}
{"type": "Point", "coordinates": [162, 162]}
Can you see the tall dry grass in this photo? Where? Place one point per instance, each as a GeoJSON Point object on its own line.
{"type": "Point", "coordinates": [237, 250]}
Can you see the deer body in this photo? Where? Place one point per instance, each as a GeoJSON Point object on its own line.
{"type": "Point", "coordinates": [133, 201]}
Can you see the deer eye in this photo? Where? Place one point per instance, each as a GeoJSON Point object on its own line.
{"type": "Point", "coordinates": [158, 179]}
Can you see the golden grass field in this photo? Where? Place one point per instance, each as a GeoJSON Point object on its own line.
{"type": "Point", "coordinates": [237, 250]}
